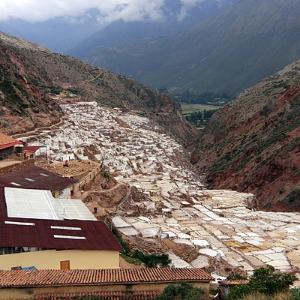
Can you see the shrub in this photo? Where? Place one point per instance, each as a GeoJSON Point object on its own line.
{"type": "Point", "coordinates": [181, 291]}
{"type": "Point", "coordinates": [265, 281]}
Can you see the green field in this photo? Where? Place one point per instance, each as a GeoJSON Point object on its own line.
{"type": "Point", "coordinates": [190, 108]}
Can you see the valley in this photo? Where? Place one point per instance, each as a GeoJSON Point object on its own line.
{"type": "Point", "coordinates": [161, 158]}
{"type": "Point", "coordinates": [167, 206]}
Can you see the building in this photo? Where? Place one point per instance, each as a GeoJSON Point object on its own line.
{"type": "Point", "coordinates": [39, 231]}
{"type": "Point", "coordinates": [33, 177]}
{"type": "Point", "coordinates": [54, 245]}
{"type": "Point", "coordinates": [138, 284]}
{"type": "Point", "coordinates": [9, 146]}
{"type": "Point", "coordinates": [30, 152]}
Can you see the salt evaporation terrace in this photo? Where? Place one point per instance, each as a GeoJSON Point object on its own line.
{"type": "Point", "coordinates": [217, 223]}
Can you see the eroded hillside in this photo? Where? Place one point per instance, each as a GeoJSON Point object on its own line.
{"type": "Point", "coordinates": [23, 104]}
{"type": "Point", "coordinates": [32, 71]}
{"type": "Point", "coordinates": [253, 144]}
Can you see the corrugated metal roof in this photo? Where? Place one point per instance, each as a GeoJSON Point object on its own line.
{"type": "Point", "coordinates": [21, 232]}
{"type": "Point", "coordinates": [41, 278]}
{"type": "Point", "coordinates": [31, 204]}
{"type": "Point", "coordinates": [40, 204]}
{"type": "Point", "coordinates": [72, 209]}
{"type": "Point", "coordinates": [42, 234]}
{"type": "Point", "coordinates": [41, 179]}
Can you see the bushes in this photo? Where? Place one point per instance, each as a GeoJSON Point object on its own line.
{"type": "Point", "coordinates": [181, 291]}
{"type": "Point", "coordinates": [138, 257]}
{"type": "Point", "coordinates": [266, 282]}
{"type": "Point", "coordinates": [152, 260]}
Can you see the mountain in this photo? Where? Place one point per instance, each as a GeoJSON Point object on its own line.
{"type": "Point", "coordinates": [59, 34]}
{"type": "Point", "coordinates": [253, 143]}
{"type": "Point", "coordinates": [29, 73]}
{"type": "Point", "coordinates": [23, 104]}
{"type": "Point", "coordinates": [121, 33]}
{"type": "Point", "coordinates": [228, 50]}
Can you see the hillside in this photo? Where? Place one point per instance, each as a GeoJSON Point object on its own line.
{"type": "Point", "coordinates": [23, 104]}
{"type": "Point", "coordinates": [233, 49]}
{"type": "Point", "coordinates": [32, 71]}
{"type": "Point", "coordinates": [253, 144]}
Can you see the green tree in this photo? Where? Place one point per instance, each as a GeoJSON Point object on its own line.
{"type": "Point", "coordinates": [265, 281]}
{"type": "Point", "coordinates": [181, 291]}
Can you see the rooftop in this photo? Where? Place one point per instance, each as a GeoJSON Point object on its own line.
{"type": "Point", "coordinates": [7, 141]}
{"type": "Point", "coordinates": [59, 235]}
{"type": "Point", "coordinates": [33, 177]}
{"type": "Point", "coordinates": [45, 278]}
{"type": "Point", "coordinates": [40, 204]}
{"type": "Point", "coordinates": [54, 234]}
{"type": "Point", "coordinates": [104, 295]}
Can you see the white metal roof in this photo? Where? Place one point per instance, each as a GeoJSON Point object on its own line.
{"type": "Point", "coordinates": [40, 204]}
{"type": "Point", "coordinates": [71, 209]}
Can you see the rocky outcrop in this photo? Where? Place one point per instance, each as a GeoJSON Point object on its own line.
{"type": "Point", "coordinates": [253, 144]}
{"type": "Point", "coordinates": [33, 71]}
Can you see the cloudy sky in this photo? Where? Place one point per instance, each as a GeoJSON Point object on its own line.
{"type": "Point", "coordinates": [128, 10]}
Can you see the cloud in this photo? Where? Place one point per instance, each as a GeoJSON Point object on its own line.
{"type": "Point", "coordinates": [186, 6]}
{"type": "Point", "coordinates": [109, 10]}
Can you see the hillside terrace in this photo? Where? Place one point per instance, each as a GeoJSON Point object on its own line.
{"type": "Point", "coordinates": [177, 207]}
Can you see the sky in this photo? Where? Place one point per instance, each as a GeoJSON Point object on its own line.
{"type": "Point", "coordinates": [110, 10]}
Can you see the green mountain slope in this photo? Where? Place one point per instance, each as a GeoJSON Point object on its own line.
{"type": "Point", "coordinates": [233, 50]}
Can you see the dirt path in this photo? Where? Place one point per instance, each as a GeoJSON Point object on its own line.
{"type": "Point", "coordinates": [37, 131]}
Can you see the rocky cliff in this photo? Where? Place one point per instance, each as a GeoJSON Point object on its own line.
{"type": "Point", "coordinates": [29, 73]}
{"type": "Point", "coordinates": [253, 144]}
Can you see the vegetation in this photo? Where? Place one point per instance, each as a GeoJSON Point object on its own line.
{"type": "Point", "coordinates": [181, 291]}
{"type": "Point", "coordinates": [139, 257]}
{"type": "Point", "coordinates": [105, 174]}
{"type": "Point", "coordinates": [265, 282]}
{"type": "Point", "coordinates": [190, 108]}
{"type": "Point", "coordinates": [236, 276]}
{"type": "Point", "coordinates": [200, 118]}
{"type": "Point", "coordinates": [205, 98]}
{"type": "Point", "coordinates": [293, 196]}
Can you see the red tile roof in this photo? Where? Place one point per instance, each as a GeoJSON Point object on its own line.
{"type": "Point", "coordinates": [42, 179]}
{"type": "Point", "coordinates": [52, 278]}
{"type": "Point", "coordinates": [7, 141]}
{"type": "Point", "coordinates": [105, 295]}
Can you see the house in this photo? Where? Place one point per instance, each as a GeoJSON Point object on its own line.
{"type": "Point", "coordinates": [9, 146]}
{"type": "Point", "coordinates": [33, 177]}
{"type": "Point", "coordinates": [118, 284]}
{"type": "Point", "coordinates": [39, 231]}
{"type": "Point", "coordinates": [30, 152]}
{"type": "Point", "coordinates": [54, 245]}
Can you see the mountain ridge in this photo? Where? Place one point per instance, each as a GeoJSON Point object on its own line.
{"type": "Point", "coordinates": [238, 47]}
{"type": "Point", "coordinates": [48, 72]}
{"type": "Point", "coordinates": [253, 143]}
